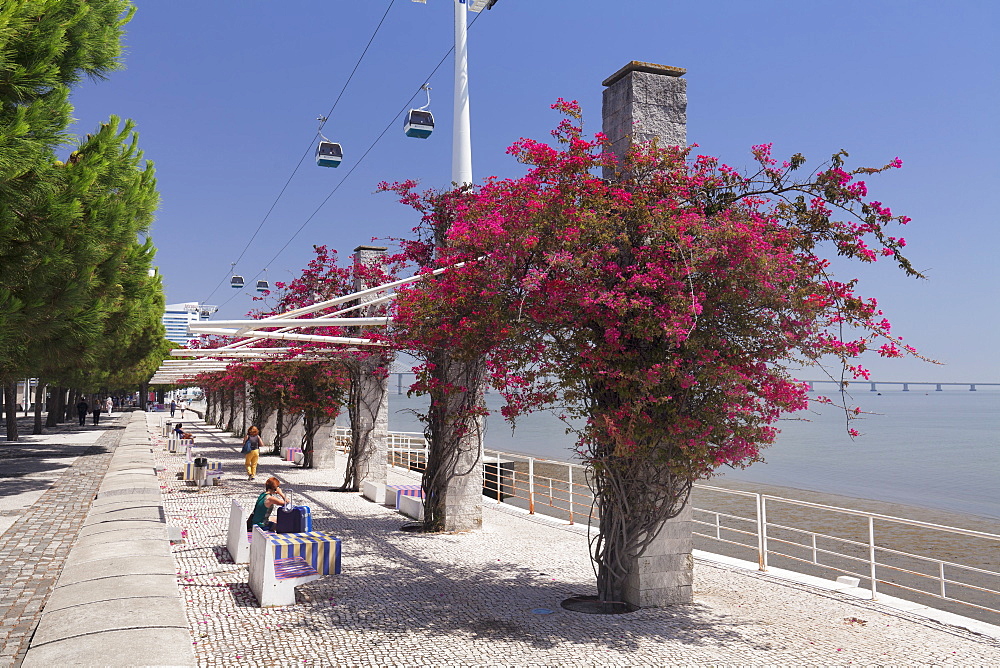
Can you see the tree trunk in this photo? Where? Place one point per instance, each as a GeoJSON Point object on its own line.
{"type": "Point", "coordinates": [56, 406]}
{"type": "Point", "coordinates": [279, 427]}
{"type": "Point", "coordinates": [368, 408]}
{"type": "Point", "coordinates": [39, 398]}
{"type": "Point", "coordinates": [10, 409]}
{"type": "Point", "coordinates": [231, 416]}
{"type": "Point", "coordinates": [309, 429]}
{"type": "Point", "coordinates": [70, 407]}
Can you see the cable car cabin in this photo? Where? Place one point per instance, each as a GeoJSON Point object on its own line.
{"type": "Point", "coordinates": [237, 282]}
{"type": "Point", "coordinates": [329, 154]}
{"type": "Point", "coordinates": [419, 123]}
{"type": "Point", "coordinates": [262, 286]}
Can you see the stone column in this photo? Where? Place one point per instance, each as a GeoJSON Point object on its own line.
{"type": "Point", "coordinates": [643, 101]}
{"type": "Point", "coordinates": [664, 573]}
{"type": "Point", "coordinates": [293, 431]}
{"type": "Point", "coordinates": [324, 447]}
{"type": "Point", "coordinates": [269, 430]}
{"type": "Point", "coordinates": [371, 434]}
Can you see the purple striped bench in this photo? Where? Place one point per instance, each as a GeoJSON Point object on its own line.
{"type": "Point", "coordinates": [394, 492]}
{"type": "Point", "coordinates": [280, 561]}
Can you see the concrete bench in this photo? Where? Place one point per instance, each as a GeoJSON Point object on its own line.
{"type": "Point", "coordinates": [373, 491]}
{"type": "Point", "coordinates": [281, 561]}
{"type": "Point", "coordinates": [214, 471]}
{"type": "Point", "coordinates": [237, 538]}
{"type": "Point", "coordinates": [174, 443]}
{"type": "Point", "coordinates": [412, 507]}
{"type": "Point", "coordinates": [393, 493]}
{"type": "Point", "coordinates": [291, 453]}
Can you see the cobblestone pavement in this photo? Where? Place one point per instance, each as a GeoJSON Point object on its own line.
{"type": "Point", "coordinates": [493, 597]}
{"type": "Point", "coordinates": [34, 547]}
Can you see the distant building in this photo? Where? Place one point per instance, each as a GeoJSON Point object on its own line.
{"type": "Point", "coordinates": [177, 316]}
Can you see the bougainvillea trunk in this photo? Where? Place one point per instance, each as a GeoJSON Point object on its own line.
{"type": "Point", "coordinates": [231, 410]}
{"type": "Point", "coordinates": [368, 406]}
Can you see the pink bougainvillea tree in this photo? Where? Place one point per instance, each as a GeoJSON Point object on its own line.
{"type": "Point", "coordinates": [312, 381]}
{"type": "Point", "coordinates": [666, 308]}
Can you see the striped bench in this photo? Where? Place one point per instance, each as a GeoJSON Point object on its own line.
{"type": "Point", "coordinates": [214, 470]}
{"type": "Point", "coordinates": [174, 443]}
{"type": "Point", "coordinates": [393, 493]}
{"type": "Point", "coordinates": [280, 562]}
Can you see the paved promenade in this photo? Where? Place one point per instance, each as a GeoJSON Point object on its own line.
{"type": "Point", "coordinates": [492, 597]}
{"type": "Point", "coordinates": [485, 598]}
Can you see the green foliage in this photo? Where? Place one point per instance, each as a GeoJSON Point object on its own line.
{"type": "Point", "coordinates": [77, 302]}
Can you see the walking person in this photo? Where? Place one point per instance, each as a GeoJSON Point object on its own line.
{"type": "Point", "coordinates": [271, 497]}
{"type": "Point", "coordinates": [251, 448]}
{"type": "Point", "coordinates": [82, 409]}
{"type": "Point", "coordinates": [173, 407]}
{"type": "Point", "coordinates": [108, 404]}
{"type": "Point", "coordinates": [183, 407]}
{"type": "Point", "coordinates": [96, 410]}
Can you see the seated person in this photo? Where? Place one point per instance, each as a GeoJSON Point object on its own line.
{"type": "Point", "coordinates": [271, 497]}
{"type": "Point", "coordinates": [180, 433]}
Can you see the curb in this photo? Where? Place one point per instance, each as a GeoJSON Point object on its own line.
{"type": "Point", "coordinates": [116, 601]}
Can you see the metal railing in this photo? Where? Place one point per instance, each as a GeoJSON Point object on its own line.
{"type": "Point", "coordinates": [846, 542]}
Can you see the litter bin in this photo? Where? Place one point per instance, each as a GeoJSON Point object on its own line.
{"type": "Point", "coordinates": [168, 427]}
{"type": "Point", "coordinates": [200, 471]}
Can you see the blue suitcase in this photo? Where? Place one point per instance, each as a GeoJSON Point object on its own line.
{"type": "Point", "coordinates": [297, 519]}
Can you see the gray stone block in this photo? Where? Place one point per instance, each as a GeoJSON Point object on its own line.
{"type": "Point", "coordinates": [665, 562]}
{"type": "Point", "coordinates": [113, 615]}
{"type": "Point", "coordinates": [134, 647]}
{"type": "Point", "coordinates": [104, 528]}
{"type": "Point", "coordinates": [145, 498]}
{"type": "Point", "coordinates": [112, 588]}
{"type": "Point", "coordinates": [127, 513]}
{"type": "Point", "coordinates": [147, 531]}
{"type": "Point", "coordinates": [663, 580]}
{"type": "Point", "coordinates": [126, 547]}
{"type": "Point", "coordinates": [116, 566]}
{"type": "Point", "coordinates": [655, 598]}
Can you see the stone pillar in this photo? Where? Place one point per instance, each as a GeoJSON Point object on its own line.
{"type": "Point", "coordinates": [293, 431]}
{"type": "Point", "coordinates": [463, 498]}
{"type": "Point", "coordinates": [269, 430]}
{"type": "Point", "coordinates": [463, 502]}
{"type": "Point", "coordinates": [371, 435]}
{"type": "Point", "coordinates": [664, 573]}
{"type": "Point", "coordinates": [643, 101]}
{"type": "Point", "coordinates": [325, 447]}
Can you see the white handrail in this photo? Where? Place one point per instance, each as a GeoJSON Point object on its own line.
{"type": "Point", "coordinates": [527, 487]}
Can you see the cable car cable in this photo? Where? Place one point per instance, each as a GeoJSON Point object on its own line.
{"type": "Point", "coordinates": [356, 164]}
{"type": "Point", "coordinates": [304, 155]}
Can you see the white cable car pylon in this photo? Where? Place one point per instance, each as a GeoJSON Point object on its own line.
{"type": "Point", "coordinates": [461, 137]}
{"type": "Point", "coordinates": [420, 122]}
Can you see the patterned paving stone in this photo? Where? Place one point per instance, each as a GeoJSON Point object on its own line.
{"type": "Point", "coordinates": [471, 599]}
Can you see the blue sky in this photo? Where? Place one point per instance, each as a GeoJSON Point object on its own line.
{"type": "Point", "coordinates": [225, 94]}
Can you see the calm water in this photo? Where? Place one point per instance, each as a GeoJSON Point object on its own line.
{"type": "Point", "coordinates": [930, 449]}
